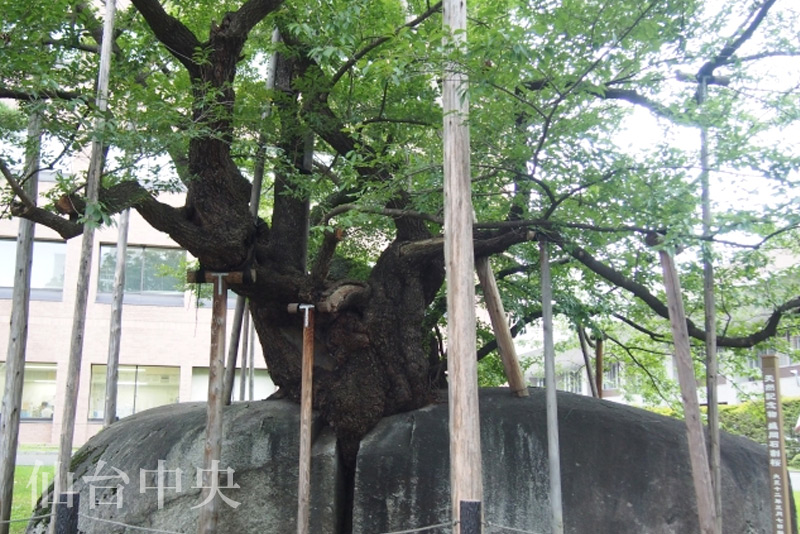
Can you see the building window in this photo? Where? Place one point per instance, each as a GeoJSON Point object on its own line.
{"type": "Point", "coordinates": [571, 381]}
{"type": "Point", "coordinates": [138, 388]}
{"type": "Point", "coordinates": [151, 275]}
{"type": "Point", "coordinates": [47, 268]}
{"type": "Point", "coordinates": [263, 386]}
{"type": "Point", "coordinates": [611, 376]}
{"type": "Point", "coordinates": [537, 381]}
{"type": "Point", "coordinates": [38, 390]}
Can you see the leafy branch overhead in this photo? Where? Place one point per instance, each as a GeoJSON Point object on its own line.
{"type": "Point", "coordinates": [585, 130]}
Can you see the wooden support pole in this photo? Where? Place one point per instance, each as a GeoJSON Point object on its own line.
{"type": "Point", "coordinates": [233, 349]}
{"type": "Point", "coordinates": [706, 509]}
{"type": "Point", "coordinates": [497, 314]}
{"type": "Point", "coordinates": [115, 331]}
{"type": "Point", "coordinates": [553, 447]}
{"type": "Point", "coordinates": [18, 333]}
{"type": "Point", "coordinates": [462, 367]}
{"type": "Point", "coordinates": [598, 361]}
{"type": "Point", "coordinates": [209, 513]}
{"type": "Point", "coordinates": [255, 199]}
{"type": "Point", "coordinates": [306, 403]}
{"type": "Point", "coordinates": [710, 306]}
{"type": "Point", "coordinates": [587, 361]}
{"type": "Point", "coordinates": [778, 478]}
{"type": "Point", "coordinates": [70, 400]}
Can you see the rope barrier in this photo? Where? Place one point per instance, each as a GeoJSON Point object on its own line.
{"type": "Point", "coordinates": [9, 521]}
{"type": "Point", "coordinates": [421, 529]}
{"type": "Point", "coordinates": [509, 529]}
{"type": "Point", "coordinates": [119, 524]}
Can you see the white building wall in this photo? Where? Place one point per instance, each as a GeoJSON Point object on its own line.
{"type": "Point", "coordinates": [151, 335]}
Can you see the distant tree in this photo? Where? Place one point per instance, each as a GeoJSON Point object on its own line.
{"type": "Point", "coordinates": [561, 93]}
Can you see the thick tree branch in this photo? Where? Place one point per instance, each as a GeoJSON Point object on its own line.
{"type": "Point", "coordinates": [322, 263]}
{"type": "Point", "coordinates": [251, 13]}
{"type": "Point", "coordinates": [16, 94]}
{"type": "Point", "coordinates": [65, 228]}
{"type": "Point", "coordinates": [172, 33]}
{"type": "Point", "coordinates": [16, 187]}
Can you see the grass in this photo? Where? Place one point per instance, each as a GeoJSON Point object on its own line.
{"type": "Point", "coordinates": [28, 486]}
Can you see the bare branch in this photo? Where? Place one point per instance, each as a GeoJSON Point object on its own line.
{"type": "Point", "coordinates": [642, 293]}
{"type": "Point", "coordinates": [730, 48]}
{"type": "Point", "coordinates": [375, 43]}
{"type": "Point", "coordinates": [640, 365]}
{"type": "Point", "coordinates": [389, 212]}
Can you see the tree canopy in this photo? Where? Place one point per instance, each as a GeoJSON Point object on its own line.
{"type": "Point", "coordinates": [584, 122]}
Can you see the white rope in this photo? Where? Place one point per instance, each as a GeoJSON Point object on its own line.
{"type": "Point", "coordinates": [128, 526]}
{"type": "Point", "coordinates": [421, 529]}
{"type": "Point", "coordinates": [510, 529]}
{"type": "Point", "coordinates": [6, 522]}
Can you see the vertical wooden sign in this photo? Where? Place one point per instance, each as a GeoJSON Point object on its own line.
{"type": "Point", "coordinates": [779, 487]}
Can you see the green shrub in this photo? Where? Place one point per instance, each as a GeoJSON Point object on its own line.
{"type": "Point", "coordinates": [749, 419]}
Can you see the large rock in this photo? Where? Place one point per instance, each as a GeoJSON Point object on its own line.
{"type": "Point", "coordinates": [261, 446]}
{"type": "Point", "coordinates": [624, 471]}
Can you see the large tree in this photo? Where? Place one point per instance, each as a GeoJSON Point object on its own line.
{"type": "Point", "coordinates": [350, 140]}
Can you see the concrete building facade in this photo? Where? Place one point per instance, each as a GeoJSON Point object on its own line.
{"type": "Point", "coordinates": [164, 353]}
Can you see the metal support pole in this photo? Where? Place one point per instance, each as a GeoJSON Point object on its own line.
{"type": "Point", "coordinates": [115, 331]}
{"type": "Point", "coordinates": [553, 448]}
{"type": "Point", "coordinates": [245, 353]}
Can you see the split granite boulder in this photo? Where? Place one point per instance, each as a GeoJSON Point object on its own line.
{"type": "Point", "coordinates": [624, 471]}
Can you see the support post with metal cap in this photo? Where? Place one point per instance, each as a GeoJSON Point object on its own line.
{"type": "Point", "coordinates": [209, 513]}
{"type": "Point", "coordinates": [306, 402]}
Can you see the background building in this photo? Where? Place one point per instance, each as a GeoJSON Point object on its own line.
{"type": "Point", "coordinates": [165, 342]}
{"type": "Point", "coordinates": [571, 376]}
